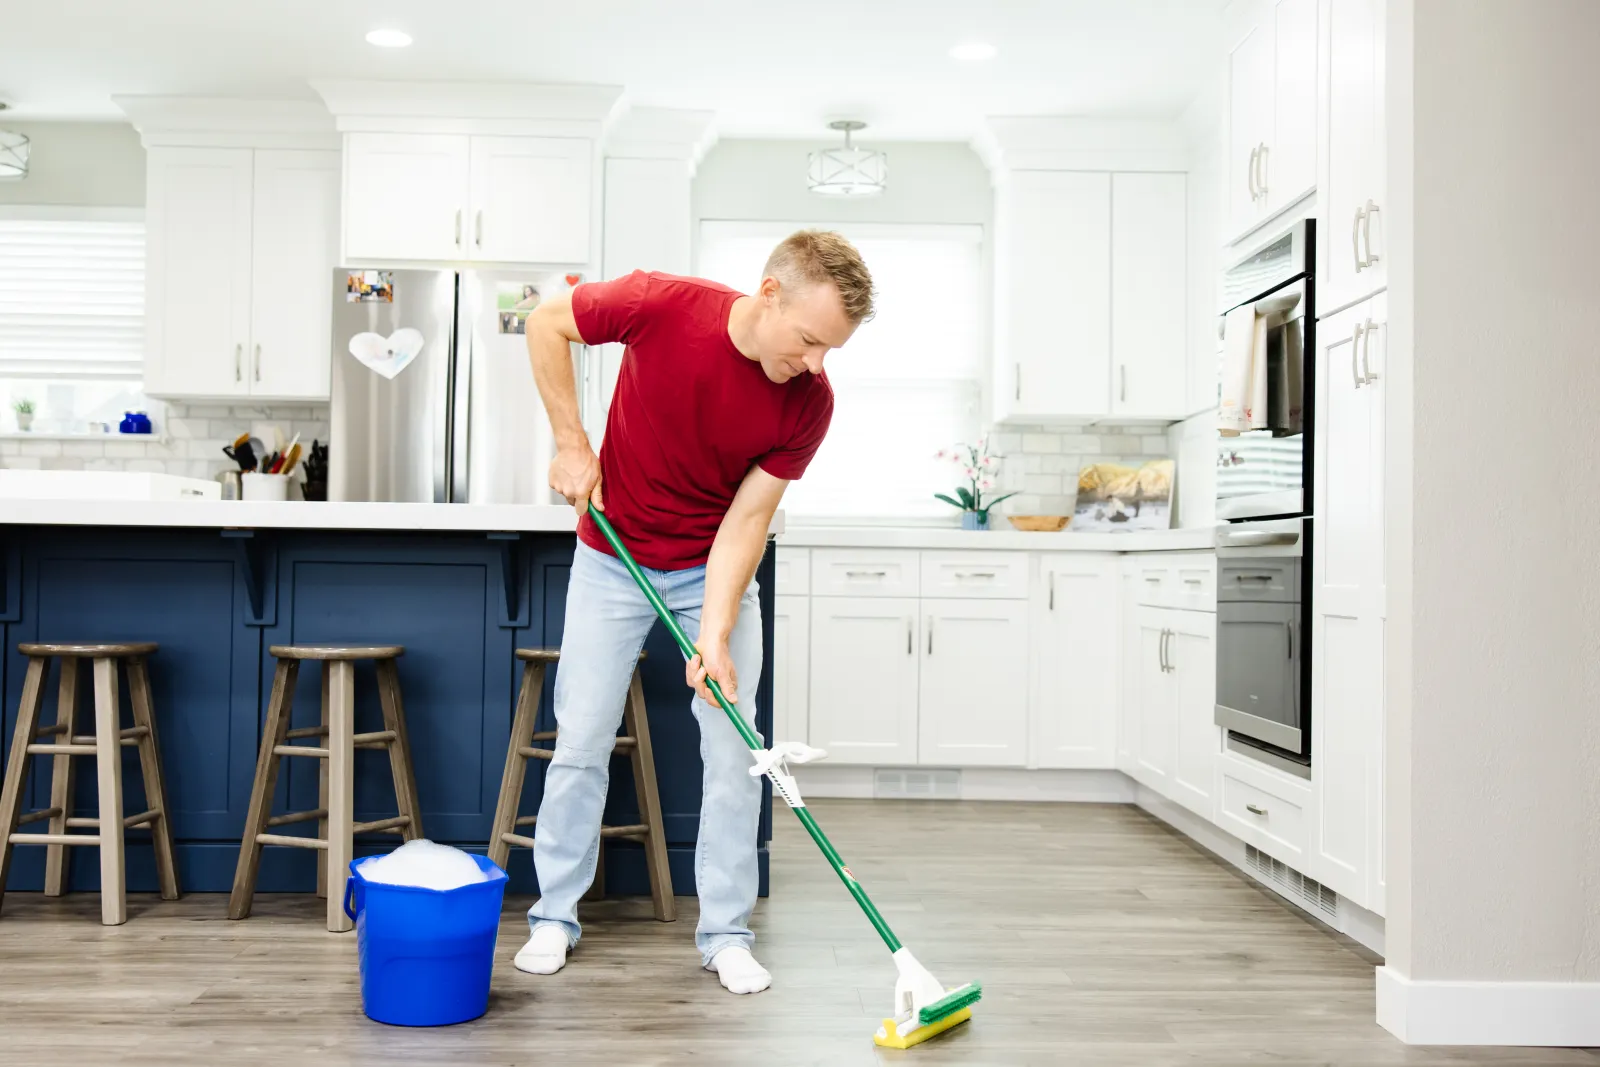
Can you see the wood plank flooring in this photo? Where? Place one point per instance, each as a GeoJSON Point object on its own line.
{"type": "Point", "coordinates": [1124, 946]}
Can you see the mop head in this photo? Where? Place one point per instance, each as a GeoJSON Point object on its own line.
{"type": "Point", "coordinates": [923, 1008]}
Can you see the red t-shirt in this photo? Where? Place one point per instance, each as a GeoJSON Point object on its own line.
{"type": "Point", "coordinates": [689, 417]}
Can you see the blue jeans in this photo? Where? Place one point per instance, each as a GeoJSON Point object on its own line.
{"type": "Point", "coordinates": [607, 621]}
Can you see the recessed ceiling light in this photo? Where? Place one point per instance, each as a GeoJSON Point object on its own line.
{"type": "Point", "coordinates": [389, 38]}
{"type": "Point", "coordinates": [973, 52]}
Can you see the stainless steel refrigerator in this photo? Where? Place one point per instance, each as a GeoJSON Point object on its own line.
{"type": "Point", "coordinates": [433, 400]}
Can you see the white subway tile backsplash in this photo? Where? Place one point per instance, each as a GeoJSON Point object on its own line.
{"type": "Point", "coordinates": [39, 448]}
{"type": "Point", "coordinates": [188, 427]}
{"type": "Point", "coordinates": [84, 449]}
{"type": "Point", "coordinates": [1041, 442]}
{"type": "Point", "coordinates": [129, 450]}
{"type": "Point", "coordinates": [1043, 484]}
{"type": "Point", "coordinates": [200, 411]}
{"type": "Point", "coordinates": [1082, 443]}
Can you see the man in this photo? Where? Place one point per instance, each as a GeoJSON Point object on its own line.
{"type": "Point", "coordinates": [720, 404]}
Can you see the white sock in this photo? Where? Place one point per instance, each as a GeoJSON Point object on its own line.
{"type": "Point", "coordinates": [738, 971]}
{"type": "Point", "coordinates": [545, 952]}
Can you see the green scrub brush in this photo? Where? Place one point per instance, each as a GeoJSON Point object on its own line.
{"type": "Point", "coordinates": [922, 1007]}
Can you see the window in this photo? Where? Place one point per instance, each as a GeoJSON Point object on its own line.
{"type": "Point", "coordinates": [907, 384]}
{"type": "Point", "coordinates": [71, 319]}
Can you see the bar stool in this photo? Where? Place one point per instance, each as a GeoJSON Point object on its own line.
{"type": "Point", "coordinates": [106, 746]}
{"type": "Point", "coordinates": [635, 741]}
{"type": "Point", "coordinates": [336, 825]}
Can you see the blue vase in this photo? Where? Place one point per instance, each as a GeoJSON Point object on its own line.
{"type": "Point", "coordinates": [974, 520]}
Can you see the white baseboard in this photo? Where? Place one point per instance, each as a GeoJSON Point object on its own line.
{"type": "Point", "coordinates": [1355, 922]}
{"type": "Point", "coordinates": [979, 783]}
{"type": "Point", "coordinates": [1547, 1014]}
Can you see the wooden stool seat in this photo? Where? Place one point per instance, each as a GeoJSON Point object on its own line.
{"type": "Point", "coordinates": [334, 814]}
{"type": "Point", "coordinates": [105, 745]}
{"type": "Point", "coordinates": [113, 650]}
{"type": "Point", "coordinates": [635, 741]}
{"type": "Point", "coordinates": [337, 652]}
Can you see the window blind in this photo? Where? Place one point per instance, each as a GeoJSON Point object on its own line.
{"type": "Point", "coordinates": [71, 299]}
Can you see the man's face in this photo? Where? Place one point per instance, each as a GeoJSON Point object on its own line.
{"type": "Point", "coordinates": [798, 328]}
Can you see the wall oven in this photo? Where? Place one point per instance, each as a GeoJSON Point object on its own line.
{"type": "Point", "coordinates": [1264, 504]}
{"type": "Point", "coordinates": [1263, 676]}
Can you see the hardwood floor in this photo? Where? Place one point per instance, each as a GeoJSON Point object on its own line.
{"type": "Point", "coordinates": [1125, 947]}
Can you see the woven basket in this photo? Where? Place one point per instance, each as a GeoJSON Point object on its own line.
{"type": "Point", "coordinates": [1039, 523]}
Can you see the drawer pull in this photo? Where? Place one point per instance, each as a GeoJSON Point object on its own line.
{"type": "Point", "coordinates": [1255, 809]}
{"type": "Point", "coordinates": [866, 574]}
{"type": "Point", "coordinates": [1253, 577]}
{"type": "Point", "coordinates": [974, 574]}
{"type": "Point", "coordinates": [1153, 579]}
{"type": "Point", "coordinates": [1194, 581]}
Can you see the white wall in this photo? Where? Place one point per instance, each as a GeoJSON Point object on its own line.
{"type": "Point", "coordinates": [1494, 680]}
{"type": "Point", "coordinates": [82, 164]}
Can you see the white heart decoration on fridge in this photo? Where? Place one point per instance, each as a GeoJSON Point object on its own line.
{"type": "Point", "coordinates": [387, 355]}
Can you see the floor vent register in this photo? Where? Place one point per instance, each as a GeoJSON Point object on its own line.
{"type": "Point", "coordinates": [1307, 892]}
{"type": "Point", "coordinates": [916, 785]}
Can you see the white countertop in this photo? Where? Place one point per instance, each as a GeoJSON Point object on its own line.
{"type": "Point", "coordinates": [1190, 540]}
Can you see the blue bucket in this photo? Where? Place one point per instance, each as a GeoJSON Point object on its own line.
{"type": "Point", "coordinates": [426, 954]}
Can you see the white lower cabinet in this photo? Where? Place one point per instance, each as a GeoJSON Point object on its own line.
{"type": "Point", "coordinates": [1073, 687]}
{"type": "Point", "coordinates": [973, 708]}
{"type": "Point", "coordinates": [791, 659]}
{"type": "Point", "coordinates": [864, 668]}
{"type": "Point", "coordinates": [1173, 742]}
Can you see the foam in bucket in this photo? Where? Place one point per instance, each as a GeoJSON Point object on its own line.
{"type": "Point", "coordinates": [424, 865]}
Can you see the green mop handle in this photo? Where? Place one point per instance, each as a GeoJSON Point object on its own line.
{"type": "Point", "coordinates": [689, 652]}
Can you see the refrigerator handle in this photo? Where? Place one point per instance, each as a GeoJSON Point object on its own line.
{"type": "Point", "coordinates": [461, 388]}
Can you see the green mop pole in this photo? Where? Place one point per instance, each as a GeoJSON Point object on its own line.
{"type": "Point", "coordinates": [689, 652]}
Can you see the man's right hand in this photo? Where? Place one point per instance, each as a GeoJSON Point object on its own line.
{"type": "Point", "coordinates": [575, 474]}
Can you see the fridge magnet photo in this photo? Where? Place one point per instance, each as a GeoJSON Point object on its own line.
{"type": "Point", "coordinates": [513, 301]}
{"type": "Point", "coordinates": [369, 287]}
{"type": "Point", "coordinates": [1113, 498]}
{"type": "Point", "coordinates": [387, 356]}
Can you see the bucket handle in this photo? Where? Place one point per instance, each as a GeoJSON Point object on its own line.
{"type": "Point", "coordinates": [349, 897]}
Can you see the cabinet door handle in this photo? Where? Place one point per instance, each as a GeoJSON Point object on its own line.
{"type": "Point", "coordinates": [1289, 629]}
{"type": "Point", "coordinates": [930, 635]}
{"type": "Point", "coordinates": [1355, 238]}
{"type": "Point", "coordinates": [1355, 345]}
{"type": "Point", "coordinates": [1262, 181]}
{"type": "Point", "coordinates": [238, 363]}
{"type": "Point", "coordinates": [1366, 231]}
{"type": "Point", "coordinates": [910, 628]}
{"type": "Point", "coordinates": [866, 574]}
{"type": "Point", "coordinates": [1124, 370]}
{"type": "Point", "coordinates": [1255, 809]}
{"type": "Point", "coordinates": [1367, 374]}
{"type": "Point", "coordinates": [1250, 175]}
{"type": "Point", "coordinates": [258, 362]}
{"type": "Point", "coordinates": [1052, 605]}
{"type": "Point", "coordinates": [477, 235]}
{"type": "Point", "coordinates": [458, 227]}
{"type": "Point", "coordinates": [1019, 382]}
{"type": "Point", "coordinates": [1162, 651]}
{"type": "Point", "coordinates": [974, 574]}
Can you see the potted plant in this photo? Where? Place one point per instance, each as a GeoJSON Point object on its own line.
{"type": "Point", "coordinates": [980, 470]}
{"type": "Point", "coordinates": [24, 410]}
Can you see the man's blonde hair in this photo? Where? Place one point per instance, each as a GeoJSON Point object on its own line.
{"type": "Point", "coordinates": [812, 256]}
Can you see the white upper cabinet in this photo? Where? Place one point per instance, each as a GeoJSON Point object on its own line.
{"type": "Point", "coordinates": [1073, 677]}
{"type": "Point", "coordinates": [1272, 109]}
{"type": "Point", "coordinates": [1053, 294]}
{"type": "Point", "coordinates": [198, 264]}
{"type": "Point", "coordinates": [530, 199]}
{"type": "Point", "coordinates": [296, 249]}
{"type": "Point", "coordinates": [1090, 295]}
{"type": "Point", "coordinates": [974, 684]}
{"type": "Point", "coordinates": [1354, 259]}
{"type": "Point", "coordinates": [242, 245]}
{"type": "Point", "coordinates": [1149, 349]}
{"type": "Point", "coordinates": [466, 198]}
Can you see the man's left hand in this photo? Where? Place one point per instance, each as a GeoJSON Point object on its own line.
{"type": "Point", "coordinates": [714, 661]}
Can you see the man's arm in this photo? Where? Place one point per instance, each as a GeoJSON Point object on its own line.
{"type": "Point", "coordinates": [735, 554]}
{"type": "Point", "coordinates": [575, 472]}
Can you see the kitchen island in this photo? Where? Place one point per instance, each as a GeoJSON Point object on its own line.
{"type": "Point", "coordinates": [216, 583]}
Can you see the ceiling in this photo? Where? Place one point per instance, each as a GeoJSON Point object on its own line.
{"type": "Point", "coordinates": [767, 69]}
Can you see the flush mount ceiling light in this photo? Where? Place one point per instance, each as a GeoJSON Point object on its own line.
{"type": "Point", "coordinates": [14, 148]}
{"type": "Point", "coordinates": [973, 52]}
{"type": "Point", "coordinates": [389, 38]}
{"type": "Point", "coordinates": [847, 171]}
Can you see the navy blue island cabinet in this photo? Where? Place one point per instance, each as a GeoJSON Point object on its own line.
{"type": "Point", "coordinates": [217, 583]}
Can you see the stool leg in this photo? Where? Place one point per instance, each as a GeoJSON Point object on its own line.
{"type": "Point", "coordinates": [505, 811]}
{"type": "Point", "coordinates": [155, 789]}
{"type": "Point", "coordinates": [55, 856]}
{"type": "Point", "coordinates": [341, 786]}
{"type": "Point", "coordinates": [637, 726]}
{"type": "Point", "coordinates": [394, 718]}
{"type": "Point", "coordinates": [266, 780]}
{"type": "Point", "coordinates": [108, 764]}
{"type": "Point", "coordinates": [322, 792]}
{"type": "Point", "coordinates": [17, 763]}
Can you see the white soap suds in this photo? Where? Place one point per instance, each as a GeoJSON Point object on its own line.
{"type": "Point", "coordinates": [423, 865]}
